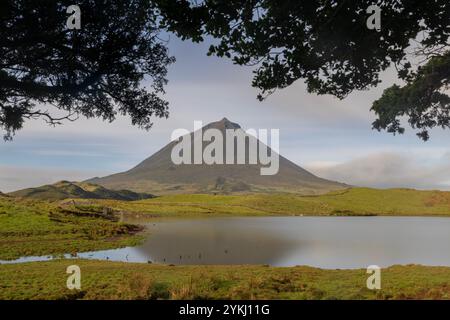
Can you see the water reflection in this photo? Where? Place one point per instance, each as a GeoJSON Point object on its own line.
{"type": "Point", "coordinates": [216, 241]}
{"type": "Point", "coordinates": [326, 242]}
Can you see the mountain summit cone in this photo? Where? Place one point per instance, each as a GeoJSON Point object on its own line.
{"type": "Point", "coordinates": [159, 175]}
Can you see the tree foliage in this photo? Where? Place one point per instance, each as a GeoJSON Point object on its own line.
{"type": "Point", "coordinates": [327, 44]}
{"type": "Point", "coordinates": [101, 70]}
{"type": "Point", "coordinates": [422, 100]}
{"type": "Point", "coordinates": [97, 71]}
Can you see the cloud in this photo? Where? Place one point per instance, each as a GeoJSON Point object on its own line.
{"type": "Point", "coordinates": [388, 170]}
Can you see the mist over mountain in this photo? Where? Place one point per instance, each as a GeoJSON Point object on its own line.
{"type": "Point", "coordinates": [159, 175]}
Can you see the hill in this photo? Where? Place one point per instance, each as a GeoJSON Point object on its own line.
{"type": "Point", "coordinates": [158, 174]}
{"type": "Point", "coordinates": [78, 190]}
{"type": "Point", "coordinates": [349, 202]}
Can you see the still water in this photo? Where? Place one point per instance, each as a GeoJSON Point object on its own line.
{"type": "Point", "coordinates": [326, 242]}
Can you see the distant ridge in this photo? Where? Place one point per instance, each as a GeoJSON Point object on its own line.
{"type": "Point", "coordinates": [157, 174]}
{"type": "Point", "coordinates": [78, 190]}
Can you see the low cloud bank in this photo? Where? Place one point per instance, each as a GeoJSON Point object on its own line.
{"type": "Point", "coordinates": [388, 170]}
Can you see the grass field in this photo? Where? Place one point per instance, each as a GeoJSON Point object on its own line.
{"type": "Point", "coordinates": [114, 280]}
{"type": "Point", "coordinates": [29, 227]}
{"type": "Point", "coordinates": [34, 227]}
{"type": "Point", "coordinates": [356, 201]}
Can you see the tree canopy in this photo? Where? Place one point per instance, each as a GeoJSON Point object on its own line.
{"type": "Point", "coordinates": [96, 71]}
{"type": "Point", "coordinates": [117, 64]}
{"type": "Point", "coordinates": [327, 44]}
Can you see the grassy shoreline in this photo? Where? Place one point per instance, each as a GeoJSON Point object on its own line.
{"type": "Point", "coordinates": [116, 280]}
{"type": "Point", "coordinates": [35, 227]}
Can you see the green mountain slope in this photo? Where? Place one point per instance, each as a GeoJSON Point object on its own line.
{"type": "Point", "coordinates": [77, 190]}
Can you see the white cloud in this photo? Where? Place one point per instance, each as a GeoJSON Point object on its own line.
{"type": "Point", "coordinates": [388, 170]}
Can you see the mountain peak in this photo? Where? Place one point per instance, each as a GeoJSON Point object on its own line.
{"type": "Point", "coordinates": [159, 175]}
{"type": "Point", "coordinates": [223, 124]}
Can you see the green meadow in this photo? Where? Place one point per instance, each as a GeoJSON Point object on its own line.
{"type": "Point", "coordinates": [30, 227]}
{"type": "Point", "coordinates": [350, 202]}
{"type": "Point", "coordinates": [115, 280]}
{"type": "Point", "coordinates": [36, 227]}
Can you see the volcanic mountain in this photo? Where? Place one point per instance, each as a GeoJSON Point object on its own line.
{"type": "Point", "coordinates": [159, 175]}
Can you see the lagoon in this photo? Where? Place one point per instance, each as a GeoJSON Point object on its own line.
{"type": "Point", "coordinates": [325, 242]}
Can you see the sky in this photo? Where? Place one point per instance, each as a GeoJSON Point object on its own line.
{"type": "Point", "coordinates": [332, 138]}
